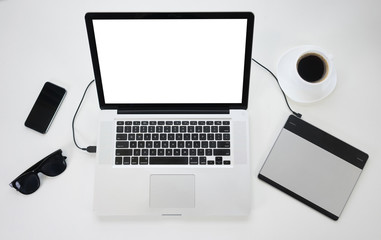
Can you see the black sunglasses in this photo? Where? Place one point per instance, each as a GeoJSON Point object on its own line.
{"type": "Point", "coordinates": [52, 165]}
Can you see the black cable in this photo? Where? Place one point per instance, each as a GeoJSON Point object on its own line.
{"type": "Point", "coordinates": [91, 149]}
{"type": "Point", "coordinates": [284, 95]}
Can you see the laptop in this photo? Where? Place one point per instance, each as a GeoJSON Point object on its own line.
{"type": "Point", "coordinates": [173, 90]}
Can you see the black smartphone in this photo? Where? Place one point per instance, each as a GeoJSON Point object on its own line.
{"type": "Point", "coordinates": [45, 107]}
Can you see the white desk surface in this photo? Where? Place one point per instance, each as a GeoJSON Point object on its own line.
{"type": "Point", "coordinates": [42, 40]}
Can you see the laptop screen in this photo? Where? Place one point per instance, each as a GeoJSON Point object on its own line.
{"type": "Point", "coordinates": [171, 60]}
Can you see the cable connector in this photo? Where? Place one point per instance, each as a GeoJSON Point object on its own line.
{"type": "Point", "coordinates": [91, 149]}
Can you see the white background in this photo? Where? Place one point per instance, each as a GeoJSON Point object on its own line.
{"type": "Point", "coordinates": [171, 61]}
{"type": "Point", "coordinates": [43, 40]}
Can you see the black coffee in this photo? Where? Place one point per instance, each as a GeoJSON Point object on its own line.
{"type": "Point", "coordinates": [311, 68]}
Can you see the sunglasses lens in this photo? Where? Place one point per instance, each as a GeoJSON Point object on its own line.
{"type": "Point", "coordinates": [54, 166]}
{"type": "Point", "coordinates": [28, 183]}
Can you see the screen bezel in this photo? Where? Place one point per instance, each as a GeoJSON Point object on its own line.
{"type": "Point", "coordinates": [89, 17]}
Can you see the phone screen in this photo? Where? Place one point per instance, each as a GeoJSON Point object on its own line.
{"type": "Point", "coordinates": [45, 107]}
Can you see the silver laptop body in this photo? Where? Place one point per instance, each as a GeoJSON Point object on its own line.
{"type": "Point", "coordinates": [174, 131]}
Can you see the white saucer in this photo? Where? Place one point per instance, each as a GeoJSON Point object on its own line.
{"type": "Point", "coordinates": [294, 86]}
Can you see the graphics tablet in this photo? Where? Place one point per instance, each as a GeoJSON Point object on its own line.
{"type": "Point", "coordinates": [313, 166]}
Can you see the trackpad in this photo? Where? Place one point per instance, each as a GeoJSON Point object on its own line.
{"type": "Point", "coordinates": [172, 191]}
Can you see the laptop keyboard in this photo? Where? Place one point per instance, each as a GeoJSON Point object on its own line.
{"type": "Point", "coordinates": [173, 143]}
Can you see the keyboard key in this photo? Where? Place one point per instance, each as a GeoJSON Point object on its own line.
{"type": "Point", "coordinates": [202, 136]}
{"type": "Point", "coordinates": [152, 152]}
{"type": "Point", "coordinates": [209, 122]}
{"type": "Point", "coordinates": [193, 160]}
{"type": "Point", "coordinates": [136, 122]}
{"type": "Point", "coordinates": [134, 160]}
{"type": "Point", "coordinates": [133, 144]}
{"type": "Point", "coordinates": [227, 162]}
{"type": "Point", "coordinates": [201, 122]}
{"type": "Point", "coordinates": [168, 152]}
{"type": "Point", "coordinates": [119, 123]}
{"type": "Point", "coordinates": [143, 160]}
{"type": "Point", "coordinates": [169, 123]}
{"type": "Point", "coordinates": [226, 123]}
{"type": "Point", "coordinates": [208, 152]}
{"type": "Point", "coordinates": [155, 136]}
{"type": "Point", "coordinates": [144, 122]}
{"type": "Point", "coordinates": [217, 122]}
{"type": "Point", "coordinates": [184, 152]}
{"type": "Point", "coordinates": [218, 160]}
{"type": "Point", "coordinates": [187, 136]}
{"type": "Point", "coordinates": [185, 122]}
{"type": "Point", "coordinates": [176, 152]}
{"type": "Point", "coordinates": [171, 136]}
{"type": "Point", "coordinates": [179, 136]}
{"type": "Point", "coordinates": [128, 123]}
{"type": "Point", "coordinates": [210, 136]}
{"type": "Point", "coordinates": [195, 136]}
{"type": "Point", "coordinates": [200, 152]}
{"type": "Point", "coordinates": [121, 144]}
{"type": "Point", "coordinates": [223, 144]}
{"type": "Point", "coordinates": [127, 129]}
{"type": "Point", "coordinates": [160, 122]}
{"type": "Point", "coordinates": [126, 160]}
{"type": "Point", "coordinates": [123, 152]}
{"type": "Point", "coordinates": [214, 129]}
{"type": "Point", "coordinates": [139, 136]}
{"type": "Point", "coordinates": [193, 122]}
{"type": "Point", "coordinates": [202, 160]}
{"type": "Point", "coordinates": [131, 136]}
{"type": "Point", "coordinates": [163, 136]}
{"type": "Point", "coordinates": [226, 136]}
{"type": "Point", "coordinates": [118, 160]}
{"type": "Point", "coordinates": [152, 122]}
{"type": "Point", "coordinates": [141, 144]}
{"type": "Point", "coordinates": [224, 128]}
{"type": "Point", "coordinates": [147, 136]}
{"type": "Point", "coordinates": [177, 122]}
{"type": "Point", "coordinates": [218, 136]}
{"type": "Point", "coordinates": [121, 136]}
{"type": "Point", "coordinates": [221, 152]}
{"type": "Point", "coordinates": [210, 162]}
{"type": "Point", "coordinates": [136, 152]}
{"type": "Point", "coordinates": [192, 152]}
{"type": "Point", "coordinates": [169, 160]}
{"type": "Point", "coordinates": [119, 129]}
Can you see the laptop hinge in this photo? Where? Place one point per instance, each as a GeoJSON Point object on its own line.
{"type": "Point", "coordinates": [172, 111]}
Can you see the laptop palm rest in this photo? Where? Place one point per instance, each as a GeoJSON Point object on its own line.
{"type": "Point", "coordinates": [172, 191]}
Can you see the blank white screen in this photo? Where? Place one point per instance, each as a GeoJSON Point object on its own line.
{"type": "Point", "coordinates": [171, 61]}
